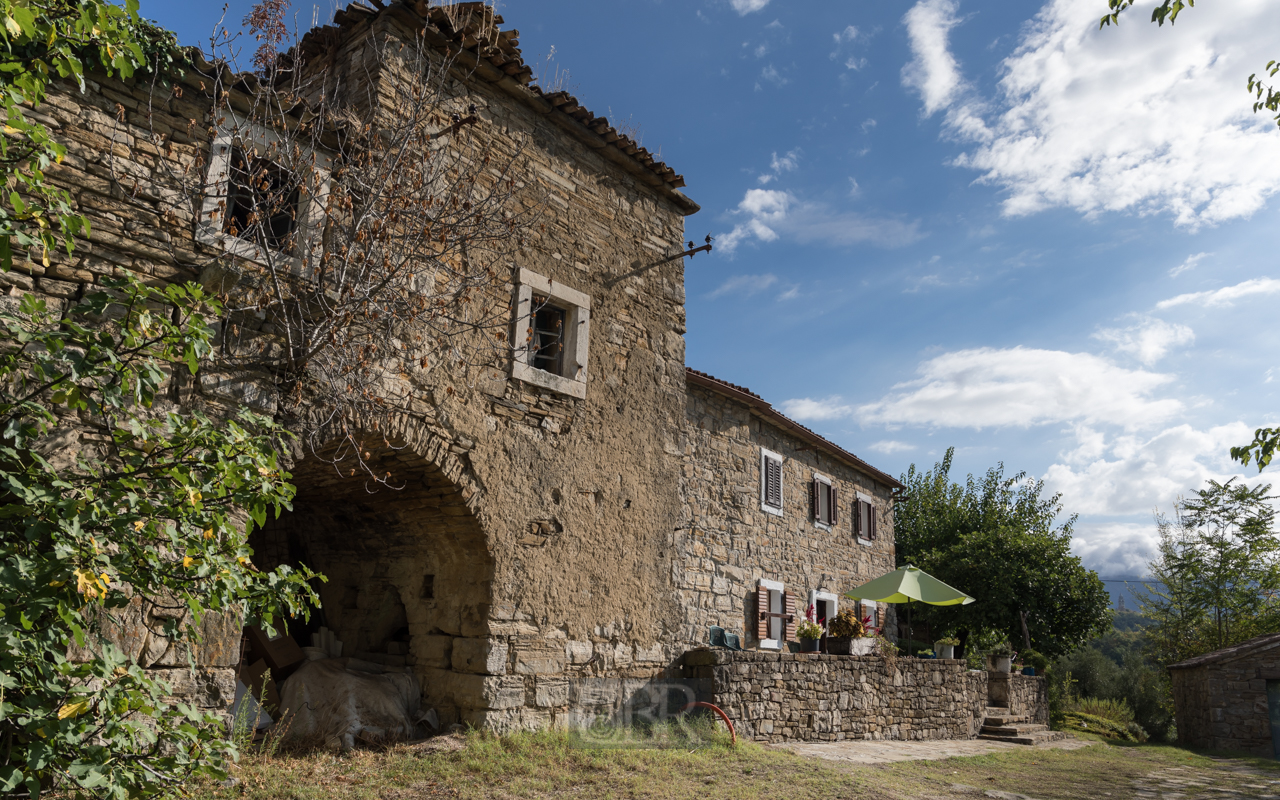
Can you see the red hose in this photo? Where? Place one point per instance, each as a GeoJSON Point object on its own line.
{"type": "Point", "coordinates": [700, 704]}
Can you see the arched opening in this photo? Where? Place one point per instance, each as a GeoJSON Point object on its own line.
{"type": "Point", "coordinates": [407, 565]}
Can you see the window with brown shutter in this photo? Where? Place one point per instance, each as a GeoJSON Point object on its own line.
{"type": "Point", "coordinates": [770, 482]}
{"type": "Point", "coordinates": [864, 521]}
{"type": "Point", "coordinates": [835, 507]}
{"type": "Point", "coordinates": [821, 500]}
{"type": "Point", "coordinates": [773, 614]}
{"type": "Point", "coordinates": [871, 512]}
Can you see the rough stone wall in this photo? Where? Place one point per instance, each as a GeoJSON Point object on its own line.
{"type": "Point", "coordinates": [731, 542]}
{"type": "Point", "coordinates": [566, 504]}
{"type": "Point", "coordinates": [1223, 706]}
{"type": "Point", "coordinates": [1023, 695]}
{"type": "Point", "coordinates": [774, 697]}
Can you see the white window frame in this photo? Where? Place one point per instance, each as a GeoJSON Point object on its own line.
{"type": "Point", "coordinates": [859, 538]}
{"type": "Point", "coordinates": [818, 523]}
{"type": "Point", "coordinates": [875, 607]}
{"type": "Point", "coordinates": [577, 336]}
{"type": "Point", "coordinates": [764, 485]}
{"type": "Point", "coordinates": [830, 597]}
{"type": "Point", "coordinates": [210, 228]}
{"type": "Point", "coordinates": [776, 590]}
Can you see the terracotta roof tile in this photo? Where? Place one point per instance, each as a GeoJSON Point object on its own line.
{"type": "Point", "coordinates": [766, 410]}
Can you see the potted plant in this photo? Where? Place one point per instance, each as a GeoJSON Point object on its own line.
{"type": "Point", "coordinates": [1034, 663]}
{"type": "Point", "coordinates": [809, 632]}
{"type": "Point", "coordinates": [842, 630]}
{"type": "Point", "coordinates": [946, 647]}
{"type": "Point", "coordinates": [926, 654]}
{"type": "Point", "coordinates": [1001, 657]}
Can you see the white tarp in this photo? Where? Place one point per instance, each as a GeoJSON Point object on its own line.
{"type": "Point", "coordinates": [325, 702]}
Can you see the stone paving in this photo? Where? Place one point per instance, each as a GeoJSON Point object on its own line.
{"type": "Point", "coordinates": [861, 751]}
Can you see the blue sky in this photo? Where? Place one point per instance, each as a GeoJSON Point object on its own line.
{"type": "Point", "coordinates": [980, 224]}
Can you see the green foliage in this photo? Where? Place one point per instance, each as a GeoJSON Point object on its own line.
{"type": "Point", "coordinates": [152, 506]}
{"type": "Point", "coordinates": [1101, 726]}
{"type": "Point", "coordinates": [1168, 10]}
{"type": "Point", "coordinates": [978, 645]}
{"type": "Point", "coordinates": [846, 624]}
{"type": "Point", "coordinates": [1035, 660]}
{"type": "Point", "coordinates": [1114, 667]}
{"type": "Point", "coordinates": [998, 540]}
{"type": "Point", "coordinates": [1219, 563]}
{"type": "Point", "coordinates": [40, 41]}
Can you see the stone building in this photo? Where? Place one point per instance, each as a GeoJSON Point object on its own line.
{"type": "Point", "coordinates": [564, 533]}
{"type": "Point", "coordinates": [1230, 699]}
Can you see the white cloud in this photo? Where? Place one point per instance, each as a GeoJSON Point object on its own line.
{"type": "Point", "coordinates": [986, 387]}
{"type": "Point", "coordinates": [1225, 296]}
{"type": "Point", "coordinates": [1134, 118]}
{"type": "Point", "coordinates": [1115, 548]}
{"type": "Point", "coordinates": [805, 408]}
{"type": "Point", "coordinates": [744, 7]}
{"type": "Point", "coordinates": [847, 35]}
{"type": "Point", "coordinates": [744, 285]}
{"type": "Point", "coordinates": [1187, 265]}
{"type": "Point", "coordinates": [773, 212]}
{"type": "Point", "coordinates": [777, 166]}
{"type": "Point", "coordinates": [1149, 340]}
{"type": "Point", "coordinates": [933, 72]}
{"type": "Point", "coordinates": [889, 447]}
{"type": "Point", "coordinates": [771, 74]}
{"type": "Point", "coordinates": [1132, 474]}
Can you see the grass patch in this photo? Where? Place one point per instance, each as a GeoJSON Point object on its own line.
{"type": "Point", "coordinates": [554, 765]}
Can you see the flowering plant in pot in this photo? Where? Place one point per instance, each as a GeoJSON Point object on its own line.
{"type": "Point", "coordinates": [842, 630]}
{"type": "Point", "coordinates": [809, 632]}
{"type": "Point", "coordinates": [946, 647]}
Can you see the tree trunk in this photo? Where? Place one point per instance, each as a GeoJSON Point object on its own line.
{"type": "Point", "coordinates": [1026, 634]}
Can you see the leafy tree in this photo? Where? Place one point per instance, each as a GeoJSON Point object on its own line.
{"type": "Point", "coordinates": [1218, 564]}
{"type": "Point", "coordinates": [998, 540]}
{"type": "Point", "coordinates": [151, 510]}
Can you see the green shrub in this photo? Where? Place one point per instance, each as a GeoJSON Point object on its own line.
{"type": "Point", "coordinates": [1117, 711]}
{"type": "Point", "coordinates": [1101, 726]}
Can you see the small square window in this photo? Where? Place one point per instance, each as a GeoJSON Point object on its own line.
{"type": "Point", "coordinates": [552, 334]}
{"type": "Point", "coordinates": [260, 192]}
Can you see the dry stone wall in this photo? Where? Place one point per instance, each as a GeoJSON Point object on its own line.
{"type": "Point", "coordinates": [775, 697]}
{"type": "Point", "coordinates": [1223, 706]}
{"type": "Point", "coordinates": [731, 543]}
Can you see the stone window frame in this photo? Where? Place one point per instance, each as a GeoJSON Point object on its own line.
{"type": "Point", "coordinates": [777, 511]}
{"type": "Point", "coordinates": [577, 306]}
{"type": "Point", "coordinates": [213, 210]}
{"type": "Point", "coordinates": [775, 588]}
{"type": "Point", "coordinates": [815, 595]}
{"type": "Point", "coordinates": [818, 523]}
{"type": "Point", "coordinates": [869, 500]}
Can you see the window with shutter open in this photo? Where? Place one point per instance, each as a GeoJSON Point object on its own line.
{"type": "Point", "coordinates": [770, 482]}
{"type": "Point", "coordinates": [822, 499]}
{"type": "Point", "coordinates": [864, 519]}
{"type": "Point", "coordinates": [774, 615]}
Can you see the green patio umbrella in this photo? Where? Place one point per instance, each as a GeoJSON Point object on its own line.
{"type": "Point", "coordinates": [906, 584]}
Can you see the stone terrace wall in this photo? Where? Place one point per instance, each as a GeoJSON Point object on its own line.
{"type": "Point", "coordinates": [1021, 694]}
{"type": "Point", "coordinates": [1223, 706]}
{"type": "Point", "coordinates": [731, 542]}
{"type": "Point", "coordinates": [774, 697]}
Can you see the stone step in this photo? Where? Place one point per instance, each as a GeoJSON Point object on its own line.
{"type": "Point", "coordinates": [1024, 729]}
{"type": "Point", "coordinates": [1005, 719]}
{"type": "Point", "coordinates": [1034, 738]}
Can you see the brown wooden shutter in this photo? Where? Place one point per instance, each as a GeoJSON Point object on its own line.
{"type": "Point", "coordinates": [871, 520]}
{"type": "Point", "coordinates": [835, 507]}
{"type": "Point", "coordinates": [762, 613]}
{"type": "Point", "coordinates": [813, 498]}
{"type": "Point", "coordinates": [857, 518]}
{"type": "Point", "coordinates": [773, 482]}
{"type": "Point", "coordinates": [789, 604]}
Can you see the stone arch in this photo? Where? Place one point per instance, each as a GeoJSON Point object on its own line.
{"type": "Point", "coordinates": [409, 567]}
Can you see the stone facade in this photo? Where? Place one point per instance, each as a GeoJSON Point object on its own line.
{"type": "Point", "coordinates": [732, 542]}
{"type": "Point", "coordinates": [1221, 699]}
{"type": "Point", "coordinates": [774, 697]}
{"type": "Point", "coordinates": [549, 554]}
